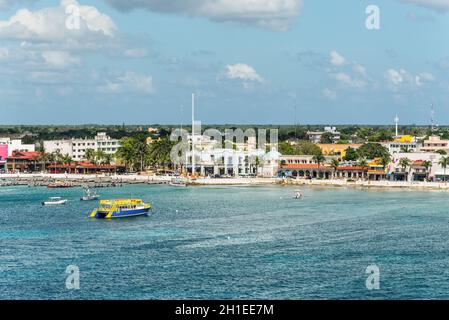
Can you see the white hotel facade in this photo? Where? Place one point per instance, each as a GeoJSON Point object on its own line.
{"type": "Point", "coordinates": [76, 148]}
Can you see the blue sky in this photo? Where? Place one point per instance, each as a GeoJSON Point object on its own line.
{"type": "Point", "coordinates": [248, 61]}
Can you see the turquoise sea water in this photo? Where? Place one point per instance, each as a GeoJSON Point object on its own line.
{"type": "Point", "coordinates": [227, 243]}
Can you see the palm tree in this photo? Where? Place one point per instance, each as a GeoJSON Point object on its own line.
{"type": "Point", "coordinates": [91, 156]}
{"type": "Point", "coordinates": [444, 162]}
{"type": "Point", "coordinates": [427, 164]}
{"type": "Point", "coordinates": [108, 158]}
{"type": "Point", "coordinates": [66, 160]}
{"type": "Point", "coordinates": [100, 156]}
{"type": "Point", "coordinates": [318, 159]}
{"type": "Point", "coordinates": [334, 164]}
{"type": "Point", "coordinates": [362, 162]}
{"type": "Point", "coordinates": [404, 163]}
{"type": "Point", "coordinates": [43, 158]}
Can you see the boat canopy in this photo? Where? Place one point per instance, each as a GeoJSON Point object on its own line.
{"type": "Point", "coordinates": [120, 202]}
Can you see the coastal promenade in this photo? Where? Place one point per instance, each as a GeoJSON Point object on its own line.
{"type": "Point", "coordinates": [42, 179]}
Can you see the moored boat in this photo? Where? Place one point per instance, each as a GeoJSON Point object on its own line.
{"type": "Point", "coordinates": [89, 195]}
{"type": "Point", "coordinates": [120, 208]}
{"type": "Point", "coordinates": [52, 201]}
{"type": "Point", "coordinates": [177, 182]}
{"type": "Point", "coordinates": [59, 185]}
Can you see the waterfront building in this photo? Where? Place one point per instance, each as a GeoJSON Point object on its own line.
{"type": "Point", "coordinates": [416, 171]}
{"type": "Point", "coordinates": [76, 148]}
{"type": "Point", "coordinates": [23, 161]}
{"type": "Point", "coordinates": [85, 168]}
{"type": "Point", "coordinates": [435, 143]}
{"type": "Point", "coordinates": [223, 161]}
{"type": "Point", "coordinates": [315, 136]}
{"type": "Point", "coordinates": [3, 156]}
{"type": "Point", "coordinates": [16, 145]}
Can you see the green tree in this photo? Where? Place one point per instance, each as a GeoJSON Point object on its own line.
{"type": "Point", "coordinates": [373, 150]}
{"type": "Point", "coordinates": [442, 152]}
{"type": "Point", "coordinates": [318, 159]}
{"type": "Point", "coordinates": [444, 162]}
{"type": "Point", "coordinates": [404, 163]}
{"type": "Point", "coordinates": [327, 138]}
{"type": "Point", "coordinates": [159, 153]}
{"type": "Point", "coordinates": [427, 165]}
{"type": "Point", "coordinates": [334, 165]}
{"type": "Point", "coordinates": [362, 162]}
{"type": "Point", "coordinates": [308, 148]}
{"type": "Point", "coordinates": [351, 154]}
{"type": "Point", "coordinates": [91, 156]}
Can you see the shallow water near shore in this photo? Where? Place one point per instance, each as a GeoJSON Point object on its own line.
{"type": "Point", "coordinates": [227, 243]}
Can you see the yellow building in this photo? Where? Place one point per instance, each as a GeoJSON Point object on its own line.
{"type": "Point", "coordinates": [404, 139]}
{"type": "Point", "coordinates": [338, 150]}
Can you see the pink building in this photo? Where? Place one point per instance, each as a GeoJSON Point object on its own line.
{"type": "Point", "coordinates": [3, 155]}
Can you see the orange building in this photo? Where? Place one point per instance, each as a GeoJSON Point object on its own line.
{"type": "Point", "coordinates": [338, 150]}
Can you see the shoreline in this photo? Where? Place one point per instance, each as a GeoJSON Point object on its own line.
{"type": "Point", "coordinates": [43, 179]}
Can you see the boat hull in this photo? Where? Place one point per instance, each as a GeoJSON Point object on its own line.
{"type": "Point", "coordinates": [121, 214]}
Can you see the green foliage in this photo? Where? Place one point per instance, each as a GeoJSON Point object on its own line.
{"type": "Point", "coordinates": [373, 150]}
{"type": "Point", "coordinates": [351, 154]}
{"type": "Point", "coordinates": [326, 138]}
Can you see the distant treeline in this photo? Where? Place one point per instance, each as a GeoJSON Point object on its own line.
{"type": "Point", "coordinates": [37, 133]}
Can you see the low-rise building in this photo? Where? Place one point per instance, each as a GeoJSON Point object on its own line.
{"type": "Point", "coordinates": [76, 148]}
{"type": "Point", "coordinates": [399, 147]}
{"type": "Point", "coordinates": [337, 150]}
{"type": "Point", "coordinates": [3, 156]}
{"type": "Point", "coordinates": [23, 161]}
{"type": "Point", "coordinates": [16, 145]}
{"type": "Point", "coordinates": [435, 143]}
{"type": "Point", "coordinates": [315, 136]}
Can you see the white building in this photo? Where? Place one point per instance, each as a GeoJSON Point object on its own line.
{"type": "Point", "coordinates": [315, 136]}
{"type": "Point", "coordinates": [17, 145]}
{"type": "Point", "coordinates": [400, 147]}
{"type": "Point", "coordinates": [76, 148]}
{"type": "Point", "coordinates": [416, 168]}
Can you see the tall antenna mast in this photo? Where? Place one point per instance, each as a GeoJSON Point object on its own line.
{"type": "Point", "coordinates": [432, 117]}
{"type": "Point", "coordinates": [396, 121]}
{"type": "Point", "coordinates": [193, 134]}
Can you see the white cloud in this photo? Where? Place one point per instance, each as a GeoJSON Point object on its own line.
{"type": "Point", "coordinates": [129, 82]}
{"type": "Point", "coordinates": [349, 81]}
{"type": "Point", "coordinates": [330, 94]}
{"type": "Point", "coordinates": [424, 77]}
{"type": "Point", "coordinates": [438, 5]}
{"type": "Point", "coordinates": [243, 72]}
{"type": "Point", "coordinates": [49, 25]}
{"type": "Point", "coordinates": [5, 4]}
{"type": "Point", "coordinates": [337, 59]}
{"type": "Point", "coordinates": [273, 14]}
{"type": "Point", "coordinates": [136, 53]}
{"type": "Point", "coordinates": [60, 59]}
{"type": "Point", "coordinates": [401, 77]}
{"type": "Point", "coordinates": [397, 77]}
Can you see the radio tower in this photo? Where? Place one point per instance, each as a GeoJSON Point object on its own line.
{"type": "Point", "coordinates": [432, 117]}
{"type": "Point", "coordinates": [396, 121]}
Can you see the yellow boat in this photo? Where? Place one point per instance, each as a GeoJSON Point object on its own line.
{"type": "Point", "coordinates": [120, 208]}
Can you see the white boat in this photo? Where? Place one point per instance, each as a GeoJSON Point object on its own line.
{"type": "Point", "coordinates": [298, 194]}
{"type": "Point", "coordinates": [54, 201]}
{"type": "Point", "coordinates": [89, 195]}
{"type": "Point", "coordinates": [177, 183]}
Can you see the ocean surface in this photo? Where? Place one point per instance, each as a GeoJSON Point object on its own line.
{"type": "Point", "coordinates": [227, 243]}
